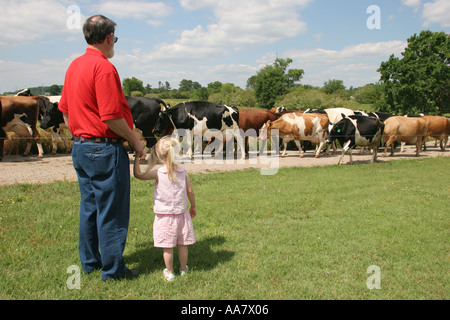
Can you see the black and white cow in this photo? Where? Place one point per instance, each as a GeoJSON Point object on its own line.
{"type": "Point", "coordinates": [53, 121]}
{"type": "Point", "coordinates": [357, 130]}
{"type": "Point", "coordinates": [20, 115]}
{"type": "Point", "coordinates": [145, 112]}
{"type": "Point", "coordinates": [380, 115]}
{"type": "Point", "coordinates": [201, 117]}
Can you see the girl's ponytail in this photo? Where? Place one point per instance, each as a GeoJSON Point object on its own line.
{"type": "Point", "coordinates": [166, 152]}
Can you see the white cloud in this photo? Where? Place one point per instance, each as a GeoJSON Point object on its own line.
{"type": "Point", "coordinates": [355, 64]}
{"type": "Point", "coordinates": [236, 24]}
{"type": "Point", "coordinates": [362, 51]}
{"type": "Point", "coordinates": [24, 21]}
{"type": "Point", "coordinates": [438, 12]}
{"type": "Point", "coordinates": [19, 75]}
{"type": "Point", "coordinates": [412, 3]}
{"type": "Point", "coordinates": [134, 9]}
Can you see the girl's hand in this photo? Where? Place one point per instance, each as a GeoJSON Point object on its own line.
{"type": "Point", "coordinates": [193, 212]}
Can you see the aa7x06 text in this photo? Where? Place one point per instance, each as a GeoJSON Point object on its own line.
{"type": "Point", "coordinates": [237, 309]}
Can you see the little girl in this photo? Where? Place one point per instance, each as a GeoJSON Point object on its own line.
{"type": "Point", "coordinates": [173, 224]}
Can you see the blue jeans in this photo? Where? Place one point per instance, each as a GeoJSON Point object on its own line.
{"type": "Point", "coordinates": [104, 180]}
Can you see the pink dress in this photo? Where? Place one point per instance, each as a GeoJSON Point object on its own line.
{"type": "Point", "coordinates": [173, 224]}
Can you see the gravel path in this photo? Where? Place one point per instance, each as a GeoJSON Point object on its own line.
{"type": "Point", "coordinates": [18, 169]}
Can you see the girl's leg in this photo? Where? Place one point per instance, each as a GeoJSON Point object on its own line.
{"type": "Point", "coordinates": [168, 259]}
{"type": "Point", "coordinates": [183, 256]}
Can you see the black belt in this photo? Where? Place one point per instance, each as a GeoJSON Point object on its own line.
{"type": "Point", "coordinates": [99, 140]}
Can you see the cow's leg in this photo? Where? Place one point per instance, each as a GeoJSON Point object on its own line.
{"type": "Point", "coordinates": [28, 147]}
{"type": "Point", "coordinates": [37, 139]}
{"type": "Point", "coordinates": [345, 149]}
{"type": "Point", "coordinates": [239, 142]}
{"type": "Point", "coordinates": [388, 143]}
{"type": "Point", "coordinates": [286, 140]}
{"type": "Point", "coordinates": [342, 156]}
{"type": "Point", "coordinates": [299, 146]}
{"type": "Point", "coordinates": [402, 149]}
{"type": "Point", "coordinates": [374, 157]}
{"type": "Point", "coordinates": [319, 149]}
{"type": "Point", "coordinates": [64, 139]}
{"type": "Point", "coordinates": [419, 144]}
{"type": "Point", "coordinates": [54, 141]}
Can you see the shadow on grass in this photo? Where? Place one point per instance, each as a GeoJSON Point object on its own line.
{"type": "Point", "coordinates": [201, 255]}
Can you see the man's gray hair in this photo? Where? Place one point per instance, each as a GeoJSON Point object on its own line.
{"type": "Point", "coordinates": [97, 28]}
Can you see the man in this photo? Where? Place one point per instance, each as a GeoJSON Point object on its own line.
{"type": "Point", "coordinates": [99, 118]}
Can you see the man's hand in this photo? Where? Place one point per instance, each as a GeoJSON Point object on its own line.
{"type": "Point", "coordinates": [121, 128]}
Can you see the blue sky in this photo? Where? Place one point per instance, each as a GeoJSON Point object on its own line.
{"type": "Point", "coordinates": [213, 40]}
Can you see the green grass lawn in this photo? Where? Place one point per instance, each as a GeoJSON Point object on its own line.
{"type": "Point", "coordinates": [305, 233]}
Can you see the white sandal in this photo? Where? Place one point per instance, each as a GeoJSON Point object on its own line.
{"type": "Point", "coordinates": [168, 276]}
{"type": "Point", "coordinates": [184, 272]}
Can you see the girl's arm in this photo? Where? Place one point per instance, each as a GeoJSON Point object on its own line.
{"type": "Point", "coordinates": [191, 197]}
{"type": "Point", "coordinates": [149, 174]}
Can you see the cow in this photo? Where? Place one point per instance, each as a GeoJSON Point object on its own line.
{"type": "Point", "coordinates": [24, 93]}
{"type": "Point", "coordinates": [301, 127]}
{"type": "Point", "coordinates": [357, 130]}
{"type": "Point", "coordinates": [404, 129]}
{"type": "Point", "coordinates": [334, 116]}
{"type": "Point", "coordinates": [251, 120]}
{"type": "Point", "coordinates": [20, 115]}
{"type": "Point", "coordinates": [437, 127]}
{"type": "Point", "coordinates": [200, 117]}
{"type": "Point", "coordinates": [380, 115]}
{"type": "Point", "coordinates": [145, 112]}
{"type": "Point", "coordinates": [53, 121]}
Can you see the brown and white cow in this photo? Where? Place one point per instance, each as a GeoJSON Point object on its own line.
{"type": "Point", "coordinates": [20, 115]}
{"type": "Point", "coordinates": [301, 127]}
{"type": "Point", "coordinates": [404, 129]}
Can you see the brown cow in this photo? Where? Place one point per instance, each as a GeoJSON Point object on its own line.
{"type": "Point", "coordinates": [437, 128]}
{"type": "Point", "coordinates": [404, 129]}
{"type": "Point", "coordinates": [251, 120]}
{"type": "Point", "coordinates": [20, 115]}
{"type": "Point", "coordinates": [300, 126]}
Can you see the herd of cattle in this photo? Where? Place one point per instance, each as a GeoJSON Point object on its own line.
{"type": "Point", "coordinates": [20, 114]}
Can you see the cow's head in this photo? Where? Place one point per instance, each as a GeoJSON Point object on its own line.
{"type": "Point", "coordinates": [265, 130]}
{"type": "Point", "coordinates": [51, 116]}
{"type": "Point", "coordinates": [335, 131]}
{"type": "Point", "coordinates": [164, 125]}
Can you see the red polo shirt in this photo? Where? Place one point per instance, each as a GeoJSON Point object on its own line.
{"type": "Point", "coordinates": [92, 93]}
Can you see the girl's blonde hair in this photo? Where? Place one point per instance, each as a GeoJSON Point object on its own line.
{"type": "Point", "coordinates": [165, 151]}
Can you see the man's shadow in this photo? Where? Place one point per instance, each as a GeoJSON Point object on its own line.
{"type": "Point", "coordinates": [201, 255]}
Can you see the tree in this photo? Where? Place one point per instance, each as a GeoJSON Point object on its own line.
{"type": "Point", "coordinates": [132, 84]}
{"type": "Point", "coordinates": [55, 90]}
{"type": "Point", "coordinates": [214, 87]}
{"type": "Point", "coordinates": [274, 81]}
{"type": "Point", "coordinates": [332, 86]}
{"type": "Point", "coordinates": [188, 85]}
{"type": "Point", "coordinates": [420, 81]}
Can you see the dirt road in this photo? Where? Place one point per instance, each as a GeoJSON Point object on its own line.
{"type": "Point", "coordinates": [18, 169]}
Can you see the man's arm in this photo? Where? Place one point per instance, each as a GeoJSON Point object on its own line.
{"type": "Point", "coordinates": [121, 128]}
